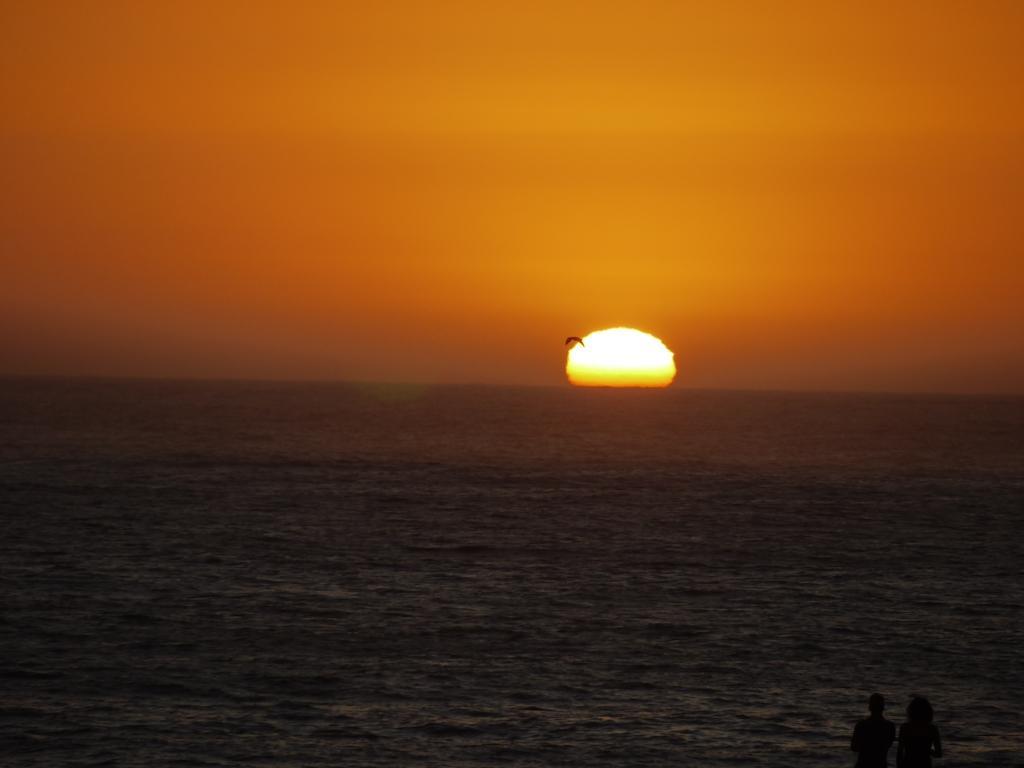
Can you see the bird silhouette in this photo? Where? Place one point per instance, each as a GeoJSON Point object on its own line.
{"type": "Point", "coordinates": [577, 339]}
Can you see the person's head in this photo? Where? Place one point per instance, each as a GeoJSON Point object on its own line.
{"type": "Point", "coordinates": [919, 710]}
{"type": "Point", "coordinates": [876, 703]}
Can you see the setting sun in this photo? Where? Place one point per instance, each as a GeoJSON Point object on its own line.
{"type": "Point", "coordinates": [620, 357]}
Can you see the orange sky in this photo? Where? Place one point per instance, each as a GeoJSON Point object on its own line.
{"type": "Point", "coordinates": [791, 195]}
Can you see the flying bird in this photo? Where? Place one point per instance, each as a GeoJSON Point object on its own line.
{"type": "Point", "coordinates": [577, 339]}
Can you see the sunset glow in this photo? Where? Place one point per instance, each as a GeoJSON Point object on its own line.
{"type": "Point", "coordinates": [620, 357]}
{"type": "Point", "coordinates": [803, 196]}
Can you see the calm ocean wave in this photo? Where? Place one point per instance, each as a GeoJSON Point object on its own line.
{"type": "Point", "coordinates": [209, 574]}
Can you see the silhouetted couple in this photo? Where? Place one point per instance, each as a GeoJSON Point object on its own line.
{"type": "Point", "coordinates": [919, 739]}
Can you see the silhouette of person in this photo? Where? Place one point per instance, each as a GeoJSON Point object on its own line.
{"type": "Point", "coordinates": [873, 736]}
{"type": "Point", "coordinates": [919, 739]}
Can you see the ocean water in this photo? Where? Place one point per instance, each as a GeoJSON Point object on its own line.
{"type": "Point", "coordinates": [214, 574]}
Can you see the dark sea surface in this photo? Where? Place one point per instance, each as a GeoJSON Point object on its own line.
{"type": "Point", "coordinates": [214, 574]}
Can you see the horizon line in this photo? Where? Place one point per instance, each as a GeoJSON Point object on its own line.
{"type": "Point", "coordinates": [185, 379]}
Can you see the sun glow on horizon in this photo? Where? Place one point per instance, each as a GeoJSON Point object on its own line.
{"type": "Point", "coordinates": [620, 357]}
